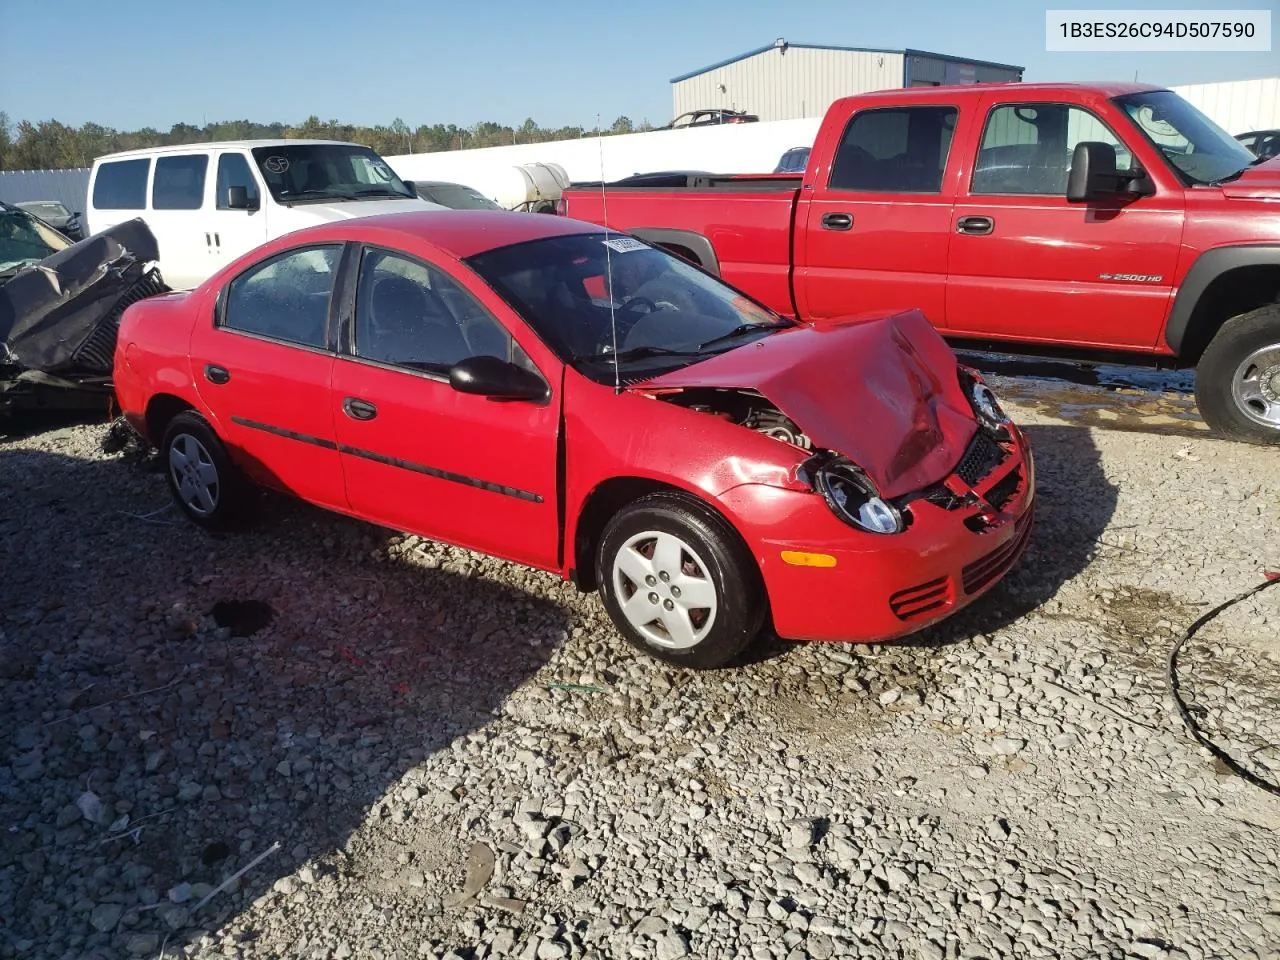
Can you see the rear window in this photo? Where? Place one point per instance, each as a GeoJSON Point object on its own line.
{"type": "Point", "coordinates": [179, 182]}
{"type": "Point", "coordinates": [121, 185]}
{"type": "Point", "coordinates": [894, 150]}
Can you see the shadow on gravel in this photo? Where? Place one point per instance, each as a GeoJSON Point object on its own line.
{"type": "Point", "coordinates": [1075, 503]}
{"type": "Point", "coordinates": [203, 748]}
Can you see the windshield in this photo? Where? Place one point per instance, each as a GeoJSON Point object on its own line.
{"type": "Point", "coordinates": [661, 311]}
{"type": "Point", "coordinates": [47, 210]}
{"type": "Point", "coordinates": [24, 240]}
{"type": "Point", "coordinates": [456, 196]}
{"type": "Point", "coordinates": [1199, 150]}
{"type": "Point", "coordinates": [317, 172]}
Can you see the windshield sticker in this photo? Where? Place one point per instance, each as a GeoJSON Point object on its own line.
{"type": "Point", "coordinates": [624, 244]}
{"type": "Point", "coordinates": [276, 164]}
{"type": "Point", "coordinates": [383, 171]}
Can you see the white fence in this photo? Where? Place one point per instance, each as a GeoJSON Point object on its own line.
{"type": "Point", "coordinates": [1240, 106]}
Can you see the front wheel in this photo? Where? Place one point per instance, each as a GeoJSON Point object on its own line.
{"type": "Point", "coordinates": [679, 583]}
{"type": "Point", "coordinates": [1238, 378]}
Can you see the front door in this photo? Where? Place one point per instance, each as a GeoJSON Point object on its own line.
{"type": "Point", "coordinates": [263, 364]}
{"type": "Point", "coordinates": [181, 192]}
{"type": "Point", "coordinates": [875, 229]}
{"type": "Point", "coordinates": [235, 232]}
{"type": "Point", "coordinates": [417, 454]}
{"type": "Point", "coordinates": [1027, 264]}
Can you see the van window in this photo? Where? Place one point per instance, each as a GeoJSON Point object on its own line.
{"type": "Point", "coordinates": [319, 172]}
{"type": "Point", "coordinates": [122, 185]}
{"type": "Point", "coordinates": [233, 171]}
{"type": "Point", "coordinates": [179, 182]}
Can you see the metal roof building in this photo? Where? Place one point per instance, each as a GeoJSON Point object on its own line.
{"type": "Point", "coordinates": [788, 81]}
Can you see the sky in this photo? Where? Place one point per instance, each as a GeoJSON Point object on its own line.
{"type": "Point", "coordinates": [561, 62]}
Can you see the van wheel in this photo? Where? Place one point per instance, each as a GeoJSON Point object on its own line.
{"type": "Point", "coordinates": [205, 484]}
{"type": "Point", "coordinates": [679, 583]}
{"type": "Point", "coordinates": [1238, 378]}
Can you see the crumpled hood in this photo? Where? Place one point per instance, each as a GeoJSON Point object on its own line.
{"type": "Point", "coordinates": [350, 209]}
{"type": "Point", "coordinates": [882, 392]}
{"type": "Point", "coordinates": [1257, 183]}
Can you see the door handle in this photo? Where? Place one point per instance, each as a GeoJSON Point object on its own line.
{"type": "Point", "coordinates": [208, 240]}
{"type": "Point", "coordinates": [216, 374]}
{"type": "Point", "coordinates": [358, 409]}
{"type": "Point", "coordinates": [975, 226]}
{"type": "Point", "coordinates": [217, 241]}
{"type": "Point", "coordinates": [837, 221]}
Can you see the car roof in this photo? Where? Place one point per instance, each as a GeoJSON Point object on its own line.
{"type": "Point", "coordinates": [221, 145]}
{"type": "Point", "coordinates": [1105, 88]}
{"type": "Point", "coordinates": [458, 233]}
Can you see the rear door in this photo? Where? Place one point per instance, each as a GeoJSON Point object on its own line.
{"type": "Point", "coordinates": [1028, 265]}
{"type": "Point", "coordinates": [180, 187]}
{"type": "Point", "coordinates": [263, 362]}
{"type": "Point", "coordinates": [873, 230]}
{"type": "Point", "coordinates": [417, 454]}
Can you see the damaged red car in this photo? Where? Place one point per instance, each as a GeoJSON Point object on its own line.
{"type": "Point", "coordinates": [545, 391]}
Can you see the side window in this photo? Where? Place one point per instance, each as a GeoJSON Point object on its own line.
{"type": "Point", "coordinates": [413, 315]}
{"type": "Point", "coordinates": [286, 297]}
{"type": "Point", "coordinates": [121, 185]}
{"type": "Point", "coordinates": [233, 171]}
{"type": "Point", "coordinates": [1026, 148]}
{"type": "Point", "coordinates": [179, 182]}
{"type": "Point", "coordinates": [894, 150]}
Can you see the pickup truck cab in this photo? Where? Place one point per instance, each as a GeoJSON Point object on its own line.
{"type": "Point", "coordinates": [208, 203]}
{"type": "Point", "coordinates": [1102, 222]}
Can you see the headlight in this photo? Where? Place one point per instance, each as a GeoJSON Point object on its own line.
{"type": "Point", "coordinates": [983, 400]}
{"type": "Point", "coordinates": [853, 498]}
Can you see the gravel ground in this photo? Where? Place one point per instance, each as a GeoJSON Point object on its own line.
{"type": "Point", "coordinates": [418, 752]}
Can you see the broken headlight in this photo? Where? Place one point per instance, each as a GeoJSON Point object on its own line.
{"type": "Point", "coordinates": [852, 496]}
{"type": "Point", "coordinates": [983, 400]}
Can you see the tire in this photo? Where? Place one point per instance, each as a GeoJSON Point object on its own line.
{"type": "Point", "coordinates": [190, 448]}
{"type": "Point", "coordinates": [706, 636]}
{"type": "Point", "coordinates": [1238, 378]}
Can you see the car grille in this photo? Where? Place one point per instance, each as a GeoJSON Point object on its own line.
{"type": "Point", "coordinates": [98, 349]}
{"type": "Point", "coordinates": [982, 456]}
{"type": "Point", "coordinates": [995, 564]}
{"type": "Point", "coordinates": [1004, 489]}
{"type": "Point", "coordinates": [921, 599]}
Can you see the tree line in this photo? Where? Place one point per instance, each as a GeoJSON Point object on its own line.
{"type": "Point", "coordinates": [52, 145]}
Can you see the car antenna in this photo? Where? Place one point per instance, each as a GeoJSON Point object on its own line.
{"type": "Point", "coordinates": [608, 265]}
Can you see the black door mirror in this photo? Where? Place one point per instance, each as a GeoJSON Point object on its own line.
{"type": "Point", "coordinates": [413, 187]}
{"type": "Point", "coordinates": [238, 199]}
{"type": "Point", "coordinates": [496, 379]}
{"type": "Point", "coordinates": [1093, 172]}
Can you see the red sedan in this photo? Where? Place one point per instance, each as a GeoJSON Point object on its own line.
{"type": "Point", "coordinates": [541, 390]}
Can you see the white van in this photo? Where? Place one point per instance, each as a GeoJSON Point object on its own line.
{"type": "Point", "coordinates": [208, 203]}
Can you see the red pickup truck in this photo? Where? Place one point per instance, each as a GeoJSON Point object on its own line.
{"type": "Point", "coordinates": [1101, 222]}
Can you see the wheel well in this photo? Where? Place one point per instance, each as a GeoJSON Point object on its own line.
{"type": "Point", "coordinates": [605, 501]}
{"type": "Point", "coordinates": [1231, 293]}
{"type": "Point", "coordinates": [162, 408]}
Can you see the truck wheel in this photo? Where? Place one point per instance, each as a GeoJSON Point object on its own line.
{"type": "Point", "coordinates": [1238, 378]}
{"type": "Point", "coordinates": [205, 484]}
{"type": "Point", "coordinates": [679, 583]}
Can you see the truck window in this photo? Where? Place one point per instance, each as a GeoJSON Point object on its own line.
{"type": "Point", "coordinates": [894, 150]}
{"type": "Point", "coordinates": [122, 185]}
{"type": "Point", "coordinates": [233, 171]}
{"type": "Point", "coordinates": [179, 182]}
{"type": "Point", "coordinates": [1026, 148]}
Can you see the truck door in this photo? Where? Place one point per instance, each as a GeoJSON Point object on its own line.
{"type": "Point", "coordinates": [1026, 264]}
{"type": "Point", "coordinates": [873, 229]}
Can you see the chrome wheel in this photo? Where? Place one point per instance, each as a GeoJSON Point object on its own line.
{"type": "Point", "coordinates": [1256, 386]}
{"type": "Point", "coordinates": [194, 475]}
{"type": "Point", "coordinates": [665, 590]}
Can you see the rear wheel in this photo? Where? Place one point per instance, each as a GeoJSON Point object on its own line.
{"type": "Point", "coordinates": [1238, 378]}
{"type": "Point", "coordinates": [205, 484]}
{"type": "Point", "coordinates": [679, 583]}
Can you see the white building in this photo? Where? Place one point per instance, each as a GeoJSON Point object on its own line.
{"type": "Point", "coordinates": [789, 81]}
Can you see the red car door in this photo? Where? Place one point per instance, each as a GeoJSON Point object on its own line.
{"type": "Point", "coordinates": [262, 363]}
{"type": "Point", "coordinates": [1029, 265]}
{"type": "Point", "coordinates": [874, 229]}
{"type": "Point", "coordinates": [419, 455]}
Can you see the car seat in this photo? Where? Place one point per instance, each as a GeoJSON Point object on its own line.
{"type": "Point", "coordinates": [408, 324]}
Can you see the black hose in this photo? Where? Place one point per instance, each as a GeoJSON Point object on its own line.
{"type": "Point", "coordinates": [1271, 580]}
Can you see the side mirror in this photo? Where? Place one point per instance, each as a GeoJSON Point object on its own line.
{"type": "Point", "coordinates": [238, 199]}
{"type": "Point", "coordinates": [497, 379]}
{"type": "Point", "coordinates": [1093, 172]}
{"type": "Point", "coordinates": [413, 187]}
